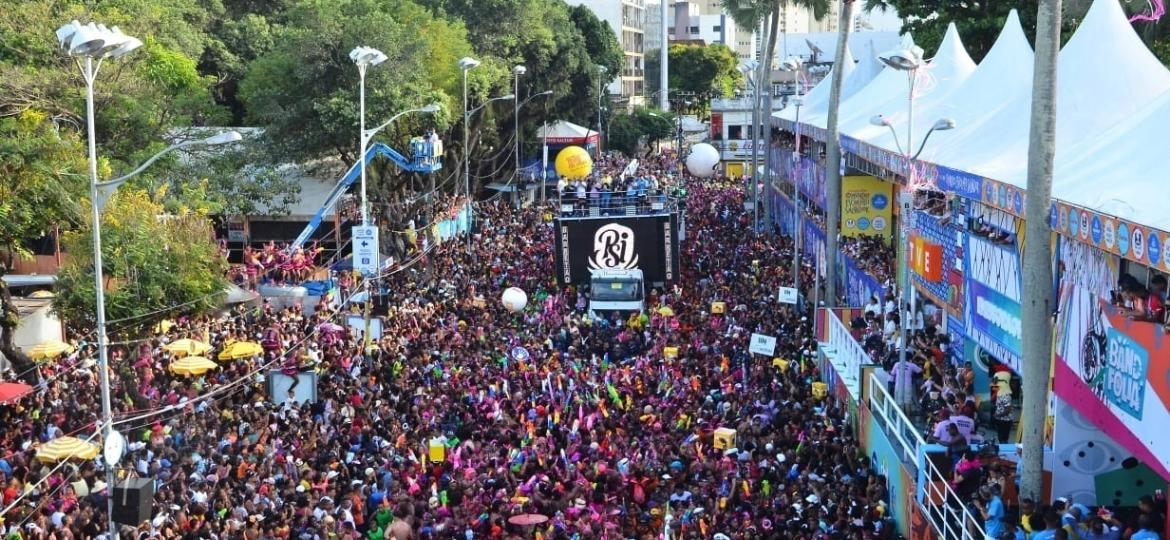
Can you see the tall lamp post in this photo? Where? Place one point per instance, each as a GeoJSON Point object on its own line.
{"type": "Point", "coordinates": [794, 65]}
{"type": "Point", "coordinates": [364, 57]}
{"type": "Point", "coordinates": [748, 68]}
{"type": "Point", "coordinates": [89, 45]}
{"type": "Point", "coordinates": [908, 60]}
{"type": "Point", "coordinates": [518, 71]}
{"type": "Point", "coordinates": [466, 64]}
{"type": "Point", "coordinates": [601, 71]}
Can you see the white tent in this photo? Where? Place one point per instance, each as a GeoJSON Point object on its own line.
{"type": "Point", "coordinates": [866, 70]}
{"type": "Point", "coordinates": [1000, 80]}
{"type": "Point", "coordinates": [563, 132]}
{"type": "Point", "coordinates": [946, 72]}
{"type": "Point", "coordinates": [889, 86]}
{"type": "Point", "coordinates": [1105, 75]}
{"type": "Point", "coordinates": [818, 97]}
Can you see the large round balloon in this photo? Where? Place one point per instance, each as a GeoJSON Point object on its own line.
{"type": "Point", "coordinates": [574, 162]}
{"type": "Point", "coordinates": [703, 160]}
{"type": "Point", "coordinates": [514, 299]}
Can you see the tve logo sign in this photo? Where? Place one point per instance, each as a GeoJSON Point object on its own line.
{"type": "Point", "coordinates": [926, 259]}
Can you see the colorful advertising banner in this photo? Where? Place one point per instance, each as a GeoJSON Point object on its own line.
{"type": "Point", "coordinates": [866, 206]}
{"type": "Point", "coordinates": [993, 299]}
{"type": "Point", "coordinates": [943, 283]}
{"type": "Point", "coordinates": [1114, 370]}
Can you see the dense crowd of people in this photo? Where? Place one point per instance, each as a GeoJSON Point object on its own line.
{"type": "Point", "coordinates": [464, 416]}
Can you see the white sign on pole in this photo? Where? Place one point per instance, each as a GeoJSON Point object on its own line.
{"type": "Point", "coordinates": [788, 295]}
{"type": "Point", "coordinates": [761, 344]}
{"type": "Point", "coordinates": [366, 257]}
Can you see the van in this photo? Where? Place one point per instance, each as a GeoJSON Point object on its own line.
{"type": "Point", "coordinates": [616, 290]}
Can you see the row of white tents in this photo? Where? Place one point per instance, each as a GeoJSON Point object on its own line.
{"type": "Point", "coordinates": [1113, 113]}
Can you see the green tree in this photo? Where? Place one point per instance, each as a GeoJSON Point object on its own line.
{"type": "Point", "coordinates": [705, 71]}
{"type": "Point", "coordinates": [644, 126]}
{"type": "Point", "coordinates": [43, 172]}
{"type": "Point", "coordinates": [304, 92]}
{"type": "Point", "coordinates": [151, 261]}
{"type": "Point", "coordinates": [979, 21]}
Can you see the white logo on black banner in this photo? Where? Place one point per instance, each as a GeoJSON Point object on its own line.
{"type": "Point", "coordinates": [613, 248]}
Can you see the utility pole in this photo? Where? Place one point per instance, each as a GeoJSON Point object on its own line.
{"type": "Point", "coordinates": [833, 157]}
{"type": "Point", "coordinates": [664, 61]}
{"type": "Point", "coordinates": [1038, 304]}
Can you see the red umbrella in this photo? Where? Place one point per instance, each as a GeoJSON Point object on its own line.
{"type": "Point", "coordinates": [10, 391]}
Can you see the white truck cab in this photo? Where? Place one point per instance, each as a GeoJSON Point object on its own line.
{"type": "Point", "coordinates": [616, 290]}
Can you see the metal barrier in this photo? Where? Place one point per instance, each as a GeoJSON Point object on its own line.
{"type": "Point", "coordinates": [845, 353]}
{"type": "Point", "coordinates": [941, 506]}
{"type": "Point", "coordinates": [615, 203]}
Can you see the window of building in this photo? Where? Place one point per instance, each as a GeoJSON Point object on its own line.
{"type": "Point", "coordinates": [735, 132]}
{"type": "Point", "coordinates": [717, 28]}
{"type": "Point", "coordinates": [694, 29]}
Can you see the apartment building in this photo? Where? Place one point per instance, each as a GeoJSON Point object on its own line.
{"type": "Point", "coordinates": [627, 18]}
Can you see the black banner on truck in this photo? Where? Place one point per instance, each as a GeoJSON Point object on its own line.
{"type": "Point", "coordinates": [648, 243]}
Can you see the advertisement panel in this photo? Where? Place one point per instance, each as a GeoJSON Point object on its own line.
{"type": "Point", "coordinates": [1113, 370]}
{"type": "Point", "coordinates": [993, 299]}
{"type": "Point", "coordinates": [866, 207]}
{"type": "Point", "coordinates": [648, 243]}
{"type": "Point", "coordinates": [942, 283]}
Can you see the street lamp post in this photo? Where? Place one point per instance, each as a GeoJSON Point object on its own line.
{"type": "Point", "coordinates": [87, 43]}
{"type": "Point", "coordinates": [518, 70]}
{"type": "Point", "coordinates": [908, 60]}
{"type": "Point", "coordinates": [518, 141]}
{"type": "Point", "coordinates": [364, 57]}
{"type": "Point", "coordinates": [601, 71]}
{"type": "Point", "coordinates": [748, 68]}
{"type": "Point", "coordinates": [466, 64]}
{"type": "Point", "coordinates": [794, 65]}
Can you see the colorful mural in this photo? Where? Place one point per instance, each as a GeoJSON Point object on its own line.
{"type": "Point", "coordinates": [948, 292]}
{"type": "Point", "coordinates": [993, 299]}
{"type": "Point", "coordinates": [1114, 371]}
{"type": "Point", "coordinates": [884, 459]}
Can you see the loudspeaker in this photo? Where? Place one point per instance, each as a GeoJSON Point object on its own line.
{"type": "Point", "coordinates": [133, 501]}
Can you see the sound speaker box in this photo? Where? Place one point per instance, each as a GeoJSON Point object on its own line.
{"type": "Point", "coordinates": [133, 500]}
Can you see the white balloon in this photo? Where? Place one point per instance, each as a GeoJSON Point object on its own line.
{"type": "Point", "coordinates": [703, 160]}
{"type": "Point", "coordinates": [514, 299]}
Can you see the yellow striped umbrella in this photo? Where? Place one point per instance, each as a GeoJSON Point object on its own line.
{"type": "Point", "coordinates": [237, 350]}
{"type": "Point", "coordinates": [186, 347]}
{"type": "Point", "coordinates": [49, 349]}
{"type": "Point", "coordinates": [64, 448]}
{"type": "Point", "coordinates": [192, 366]}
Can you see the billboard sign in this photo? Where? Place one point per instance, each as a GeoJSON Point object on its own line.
{"type": "Point", "coordinates": [648, 243]}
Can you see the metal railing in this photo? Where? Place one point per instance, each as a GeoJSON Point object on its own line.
{"type": "Point", "coordinates": [846, 354]}
{"type": "Point", "coordinates": [950, 515]}
{"type": "Point", "coordinates": [615, 203]}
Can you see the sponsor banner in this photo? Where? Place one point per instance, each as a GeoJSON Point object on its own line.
{"type": "Point", "coordinates": [866, 207]}
{"type": "Point", "coordinates": [1113, 370]}
{"type": "Point", "coordinates": [618, 243]}
{"type": "Point", "coordinates": [763, 345]}
{"type": "Point", "coordinates": [948, 291]}
{"type": "Point", "coordinates": [993, 299]}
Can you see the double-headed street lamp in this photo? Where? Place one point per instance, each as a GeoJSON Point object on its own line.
{"type": "Point", "coordinates": [794, 65]}
{"type": "Point", "coordinates": [89, 45]}
{"type": "Point", "coordinates": [908, 60]}
{"type": "Point", "coordinates": [364, 57]}
{"type": "Point", "coordinates": [748, 68]}
{"type": "Point", "coordinates": [601, 71]}
{"type": "Point", "coordinates": [466, 64]}
{"type": "Point", "coordinates": [521, 70]}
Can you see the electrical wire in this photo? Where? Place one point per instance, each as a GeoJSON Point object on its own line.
{"type": "Point", "coordinates": [43, 479]}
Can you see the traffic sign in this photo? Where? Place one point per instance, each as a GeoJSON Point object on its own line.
{"type": "Point", "coordinates": [366, 257]}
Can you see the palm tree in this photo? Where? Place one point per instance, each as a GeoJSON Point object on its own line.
{"type": "Point", "coordinates": [753, 14]}
{"type": "Point", "coordinates": [833, 155]}
{"type": "Point", "coordinates": [1038, 304]}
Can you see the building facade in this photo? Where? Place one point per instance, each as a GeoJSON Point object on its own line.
{"type": "Point", "coordinates": [627, 19]}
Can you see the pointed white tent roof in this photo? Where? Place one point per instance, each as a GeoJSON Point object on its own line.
{"type": "Point", "coordinates": [1002, 80]}
{"type": "Point", "coordinates": [867, 69]}
{"type": "Point", "coordinates": [888, 86]}
{"type": "Point", "coordinates": [1105, 75]}
{"type": "Point", "coordinates": [946, 72]}
{"type": "Point", "coordinates": [563, 132]}
{"type": "Point", "coordinates": [818, 97]}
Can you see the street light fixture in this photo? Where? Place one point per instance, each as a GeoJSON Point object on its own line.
{"type": "Point", "coordinates": [466, 64]}
{"type": "Point", "coordinates": [518, 138]}
{"type": "Point", "coordinates": [601, 70]}
{"type": "Point", "coordinates": [794, 65]}
{"type": "Point", "coordinates": [748, 67]}
{"type": "Point", "coordinates": [518, 70]}
{"type": "Point", "coordinates": [364, 57]}
{"type": "Point", "coordinates": [95, 43]}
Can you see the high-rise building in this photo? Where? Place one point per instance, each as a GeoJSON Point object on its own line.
{"type": "Point", "coordinates": [627, 19]}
